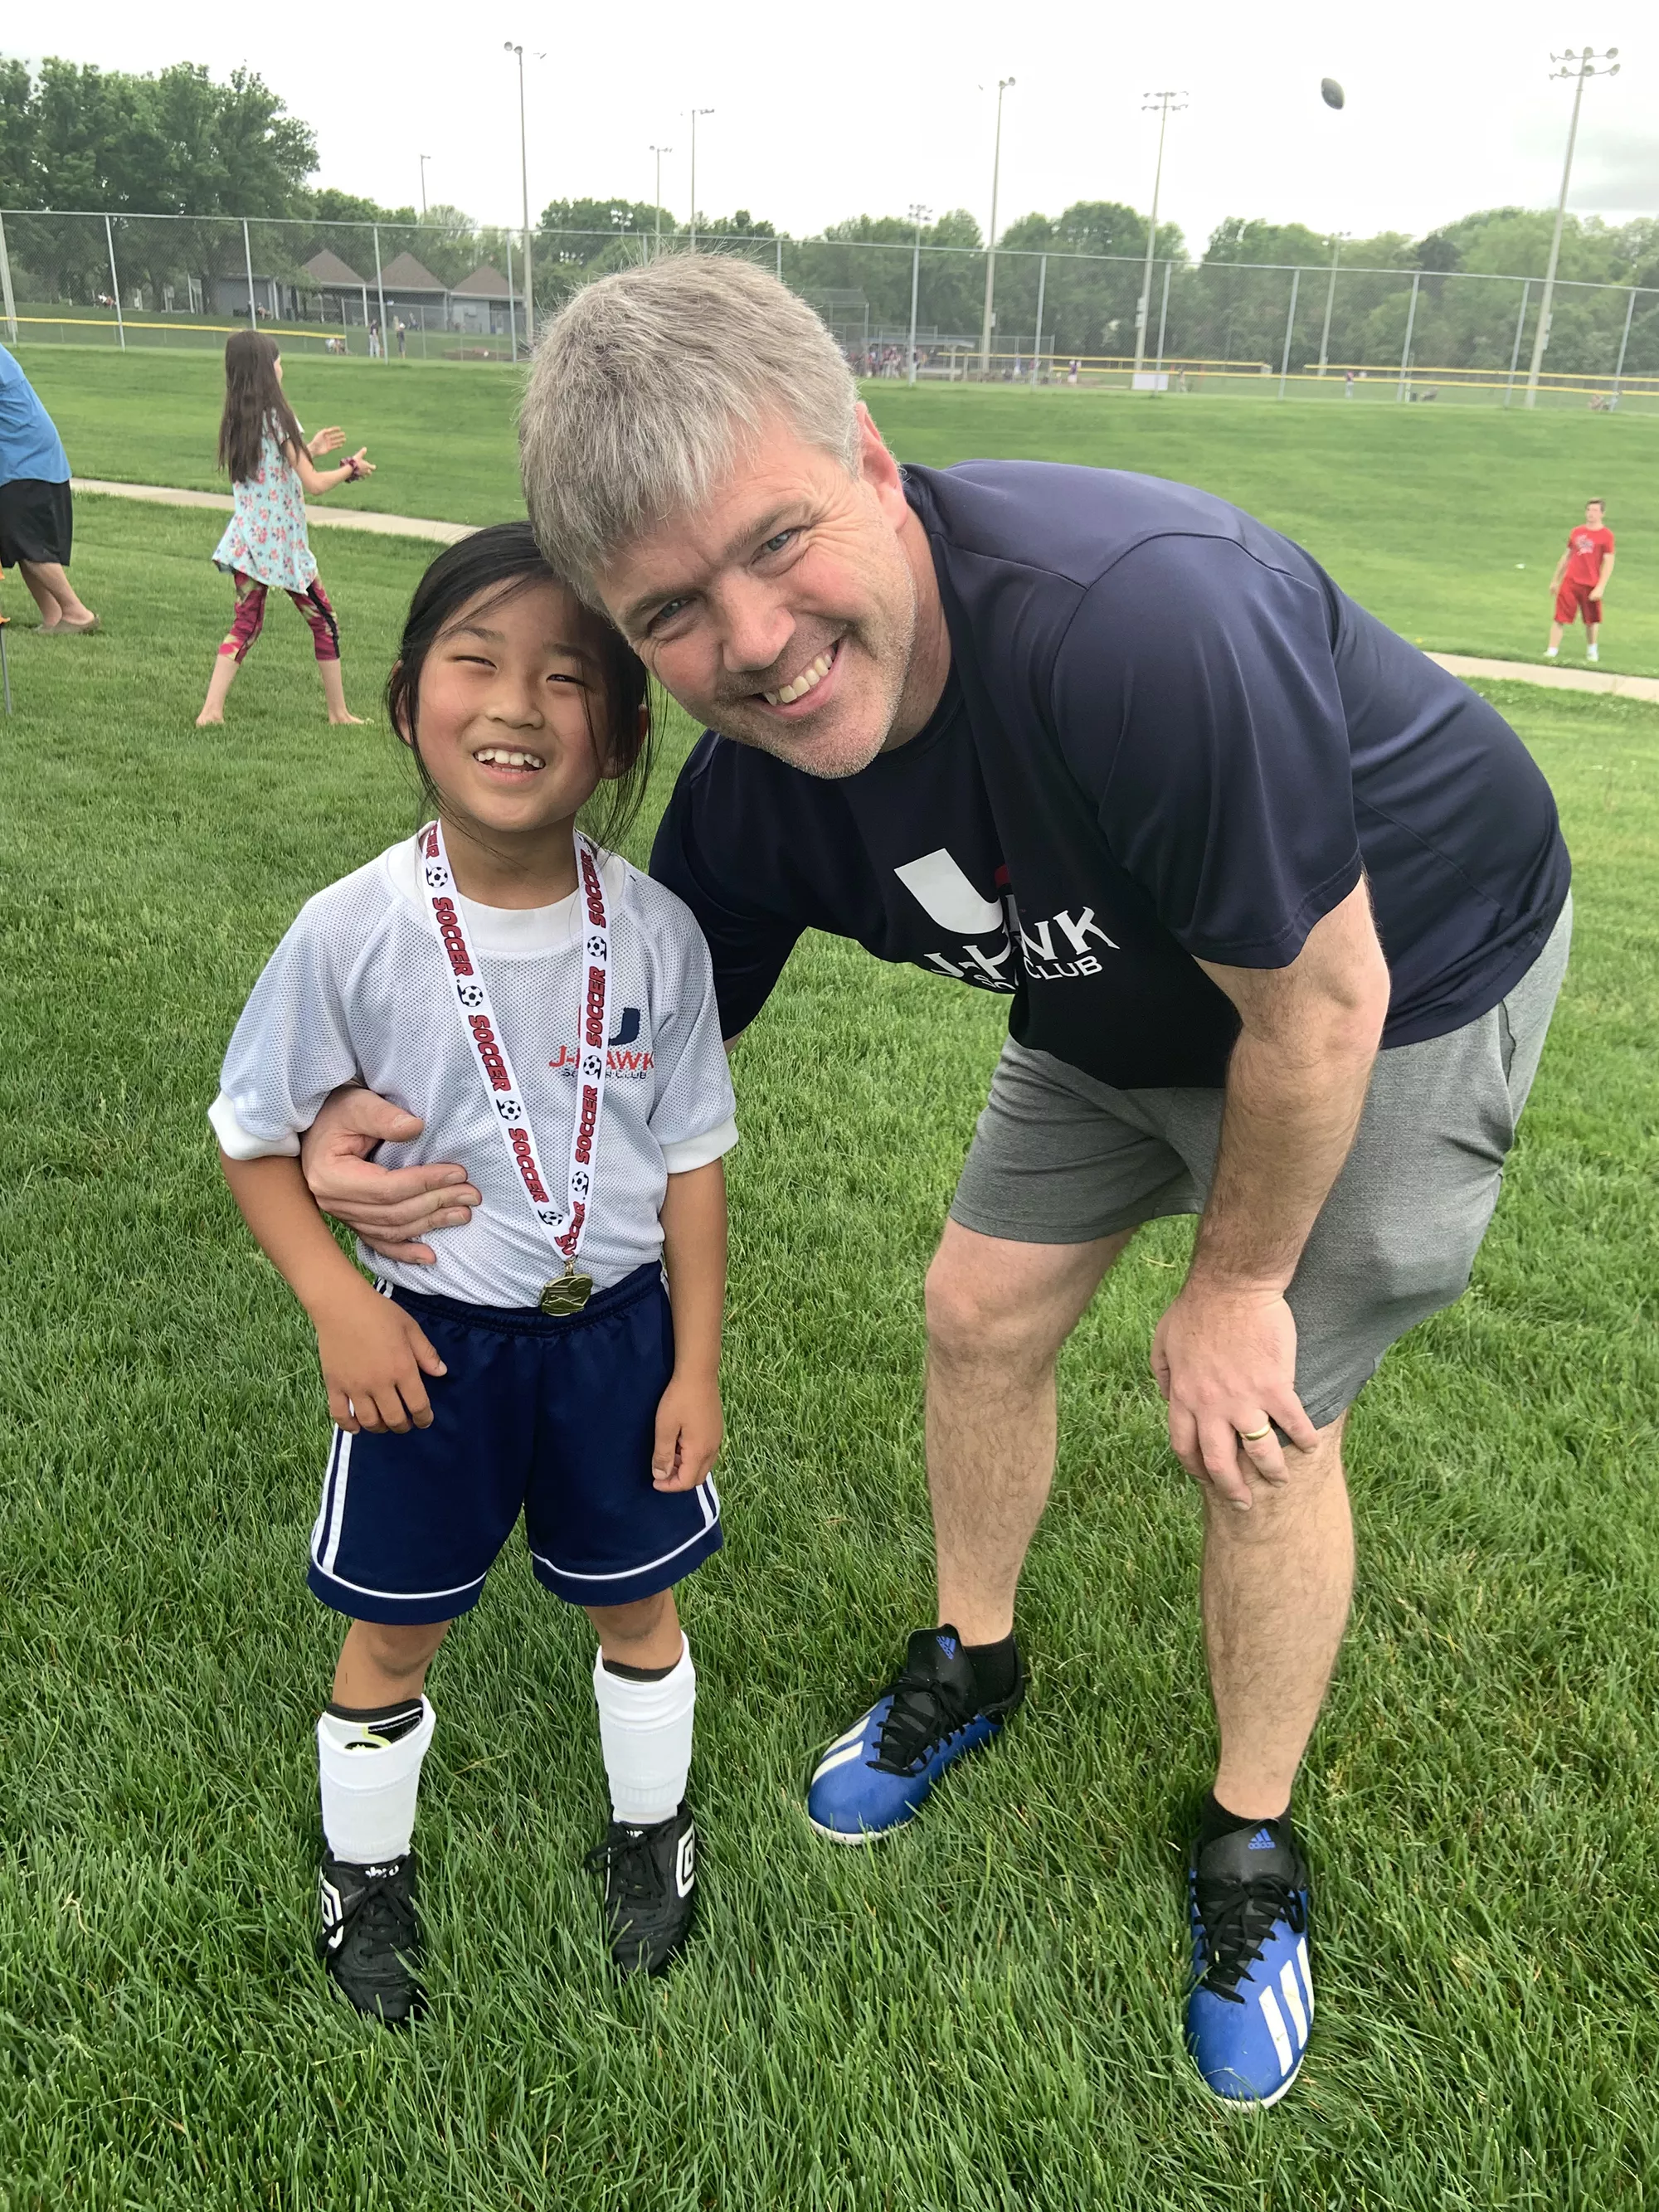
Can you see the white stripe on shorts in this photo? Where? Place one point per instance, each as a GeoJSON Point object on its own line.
{"type": "Point", "coordinates": [336, 1519]}
{"type": "Point", "coordinates": [322, 1502]}
{"type": "Point", "coordinates": [627, 1574]}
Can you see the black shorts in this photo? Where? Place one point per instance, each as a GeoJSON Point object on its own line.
{"type": "Point", "coordinates": [37, 522]}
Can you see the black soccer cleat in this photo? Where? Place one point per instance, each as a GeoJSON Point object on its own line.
{"type": "Point", "coordinates": [650, 1890]}
{"type": "Point", "coordinates": [370, 1940]}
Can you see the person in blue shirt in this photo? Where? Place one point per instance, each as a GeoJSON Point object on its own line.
{"type": "Point", "coordinates": [1279, 909]}
{"type": "Point", "coordinates": [37, 522]}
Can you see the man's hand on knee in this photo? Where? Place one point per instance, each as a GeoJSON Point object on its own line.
{"type": "Point", "coordinates": [390, 1208]}
{"type": "Point", "coordinates": [1225, 1359]}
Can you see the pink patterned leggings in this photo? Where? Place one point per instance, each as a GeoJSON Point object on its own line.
{"type": "Point", "coordinates": [251, 618]}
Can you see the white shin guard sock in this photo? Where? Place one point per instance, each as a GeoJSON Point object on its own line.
{"type": "Point", "coordinates": [645, 1733]}
{"type": "Point", "coordinates": [369, 1790]}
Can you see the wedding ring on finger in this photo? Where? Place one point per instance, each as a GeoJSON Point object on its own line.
{"type": "Point", "coordinates": [1254, 1435]}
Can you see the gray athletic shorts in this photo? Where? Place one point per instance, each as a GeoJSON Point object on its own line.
{"type": "Point", "coordinates": [1059, 1158]}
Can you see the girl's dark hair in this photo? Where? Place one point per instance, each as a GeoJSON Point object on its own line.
{"type": "Point", "coordinates": [501, 561]}
{"type": "Point", "coordinates": [255, 402]}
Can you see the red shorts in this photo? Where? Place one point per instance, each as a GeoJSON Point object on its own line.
{"type": "Point", "coordinates": [1575, 599]}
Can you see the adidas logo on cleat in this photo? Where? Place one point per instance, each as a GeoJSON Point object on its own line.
{"type": "Point", "coordinates": [947, 1645]}
{"type": "Point", "coordinates": [1262, 1841]}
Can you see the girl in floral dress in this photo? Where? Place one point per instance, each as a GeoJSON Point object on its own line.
{"type": "Point", "coordinates": [271, 466]}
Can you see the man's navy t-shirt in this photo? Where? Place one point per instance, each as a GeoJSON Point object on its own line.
{"type": "Point", "coordinates": [1167, 737]}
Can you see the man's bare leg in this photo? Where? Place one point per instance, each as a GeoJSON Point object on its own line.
{"type": "Point", "coordinates": [998, 1312]}
{"type": "Point", "coordinates": [1277, 1584]}
{"type": "Point", "coordinates": [59, 602]}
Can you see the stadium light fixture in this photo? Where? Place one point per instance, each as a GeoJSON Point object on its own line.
{"type": "Point", "coordinates": [1004, 83]}
{"type": "Point", "coordinates": [919, 215]}
{"type": "Point", "coordinates": [1578, 66]}
{"type": "Point", "coordinates": [1162, 105]}
{"type": "Point", "coordinates": [656, 250]}
{"type": "Point", "coordinates": [424, 158]}
{"type": "Point", "coordinates": [508, 47]}
{"type": "Point", "coordinates": [695, 113]}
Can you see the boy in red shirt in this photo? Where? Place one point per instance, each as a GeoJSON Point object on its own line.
{"type": "Point", "coordinates": [1581, 580]}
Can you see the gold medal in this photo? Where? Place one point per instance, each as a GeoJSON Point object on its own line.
{"type": "Point", "coordinates": [569, 1294]}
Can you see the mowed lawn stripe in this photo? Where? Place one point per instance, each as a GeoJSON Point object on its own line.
{"type": "Point", "coordinates": [986, 2011]}
{"type": "Point", "coordinates": [1444, 521]}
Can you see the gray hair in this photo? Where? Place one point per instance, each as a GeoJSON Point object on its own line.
{"type": "Point", "coordinates": [645, 387]}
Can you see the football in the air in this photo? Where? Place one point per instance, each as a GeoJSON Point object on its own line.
{"type": "Point", "coordinates": [1330, 92]}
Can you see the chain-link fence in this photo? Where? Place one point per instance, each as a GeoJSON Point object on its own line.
{"type": "Point", "coordinates": [439, 291]}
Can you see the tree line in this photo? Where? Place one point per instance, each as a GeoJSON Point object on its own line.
{"type": "Point", "coordinates": [178, 143]}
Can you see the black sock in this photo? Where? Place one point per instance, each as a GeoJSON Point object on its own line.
{"type": "Point", "coordinates": [1214, 1821]}
{"type": "Point", "coordinates": [636, 1674]}
{"type": "Point", "coordinates": [390, 1721]}
{"type": "Point", "coordinates": [996, 1668]}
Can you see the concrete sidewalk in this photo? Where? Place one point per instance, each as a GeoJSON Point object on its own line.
{"type": "Point", "coordinates": [1547, 673]}
{"type": "Point", "coordinates": [1552, 675]}
{"type": "Point", "coordinates": [327, 518]}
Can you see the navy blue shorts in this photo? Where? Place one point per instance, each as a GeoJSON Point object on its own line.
{"type": "Point", "coordinates": [555, 1416]}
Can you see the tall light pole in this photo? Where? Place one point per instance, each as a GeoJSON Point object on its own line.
{"type": "Point", "coordinates": [425, 158]}
{"type": "Point", "coordinates": [1003, 84]}
{"type": "Point", "coordinates": [656, 250]}
{"type": "Point", "coordinates": [1337, 237]}
{"type": "Point", "coordinates": [1578, 66]}
{"type": "Point", "coordinates": [919, 215]}
{"type": "Point", "coordinates": [696, 113]}
{"type": "Point", "coordinates": [1159, 103]}
{"type": "Point", "coordinates": [508, 47]}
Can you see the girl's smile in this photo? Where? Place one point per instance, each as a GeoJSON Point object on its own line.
{"type": "Point", "coordinates": [508, 762]}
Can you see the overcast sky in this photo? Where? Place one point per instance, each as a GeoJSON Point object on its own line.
{"type": "Point", "coordinates": [819, 115]}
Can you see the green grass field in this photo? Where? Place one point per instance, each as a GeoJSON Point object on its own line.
{"type": "Point", "coordinates": [1445, 522]}
{"type": "Point", "coordinates": [985, 2013]}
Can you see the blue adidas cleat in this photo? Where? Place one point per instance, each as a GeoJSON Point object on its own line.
{"type": "Point", "coordinates": [881, 1772]}
{"type": "Point", "coordinates": [1251, 2009]}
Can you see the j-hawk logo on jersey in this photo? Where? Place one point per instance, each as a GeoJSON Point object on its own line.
{"type": "Point", "coordinates": [625, 1059]}
{"type": "Point", "coordinates": [1050, 951]}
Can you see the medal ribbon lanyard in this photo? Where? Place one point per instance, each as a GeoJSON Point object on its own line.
{"type": "Point", "coordinates": [563, 1224]}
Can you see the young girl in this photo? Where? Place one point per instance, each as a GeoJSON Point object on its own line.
{"type": "Point", "coordinates": [549, 1014]}
{"type": "Point", "coordinates": [264, 448]}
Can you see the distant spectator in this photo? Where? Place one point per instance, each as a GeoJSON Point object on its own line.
{"type": "Point", "coordinates": [375, 341]}
{"type": "Point", "coordinates": [37, 520]}
{"type": "Point", "coordinates": [401, 332]}
{"type": "Point", "coordinates": [1347, 384]}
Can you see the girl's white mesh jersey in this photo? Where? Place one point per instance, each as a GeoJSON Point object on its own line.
{"type": "Point", "coordinates": [360, 990]}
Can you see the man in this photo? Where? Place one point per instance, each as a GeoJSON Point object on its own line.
{"type": "Point", "coordinates": [1111, 748]}
{"type": "Point", "coordinates": [1580, 581]}
{"type": "Point", "coordinates": [37, 520]}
